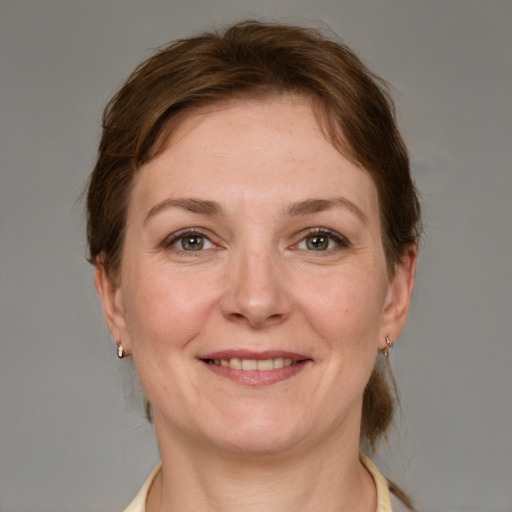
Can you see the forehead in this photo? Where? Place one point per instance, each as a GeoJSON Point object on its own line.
{"type": "Point", "coordinates": [242, 118]}
{"type": "Point", "coordinates": [250, 148]}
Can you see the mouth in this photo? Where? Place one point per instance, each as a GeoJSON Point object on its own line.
{"type": "Point", "coordinates": [255, 369]}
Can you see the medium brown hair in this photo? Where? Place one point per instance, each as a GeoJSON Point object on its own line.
{"type": "Point", "coordinates": [253, 60]}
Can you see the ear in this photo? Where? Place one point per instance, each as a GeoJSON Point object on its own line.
{"type": "Point", "coordinates": [399, 297]}
{"type": "Point", "coordinates": [111, 297]}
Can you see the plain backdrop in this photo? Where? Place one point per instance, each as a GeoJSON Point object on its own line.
{"type": "Point", "coordinates": [72, 438]}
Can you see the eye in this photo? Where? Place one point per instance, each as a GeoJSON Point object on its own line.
{"type": "Point", "coordinates": [190, 241]}
{"type": "Point", "coordinates": [317, 242]}
{"type": "Point", "coordinates": [322, 240]}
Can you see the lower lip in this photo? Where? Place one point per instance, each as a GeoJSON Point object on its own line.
{"type": "Point", "coordinates": [257, 377]}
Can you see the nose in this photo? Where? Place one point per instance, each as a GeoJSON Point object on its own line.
{"type": "Point", "coordinates": [257, 292]}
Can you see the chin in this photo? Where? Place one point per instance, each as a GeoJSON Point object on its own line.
{"type": "Point", "coordinates": [258, 444]}
{"type": "Point", "coordinates": [261, 434]}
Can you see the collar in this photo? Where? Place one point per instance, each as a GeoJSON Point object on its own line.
{"type": "Point", "coordinates": [383, 500]}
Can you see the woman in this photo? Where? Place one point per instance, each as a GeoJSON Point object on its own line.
{"type": "Point", "coordinates": [253, 225]}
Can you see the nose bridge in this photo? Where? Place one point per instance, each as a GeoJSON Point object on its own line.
{"type": "Point", "coordinates": [257, 291]}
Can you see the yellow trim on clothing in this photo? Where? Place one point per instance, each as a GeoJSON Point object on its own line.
{"type": "Point", "coordinates": [383, 498]}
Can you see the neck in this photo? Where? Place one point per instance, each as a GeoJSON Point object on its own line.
{"type": "Point", "coordinates": [328, 478]}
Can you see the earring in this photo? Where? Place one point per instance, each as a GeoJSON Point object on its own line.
{"type": "Point", "coordinates": [388, 348]}
{"type": "Point", "coordinates": [120, 350]}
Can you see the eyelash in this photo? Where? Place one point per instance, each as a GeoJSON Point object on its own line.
{"type": "Point", "coordinates": [339, 240]}
{"type": "Point", "coordinates": [182, 235]}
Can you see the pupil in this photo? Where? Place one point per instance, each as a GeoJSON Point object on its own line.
{"type": "Point", "coordinates": [193, 243]}
{"type": "Point", "coordinates": [318, 243]}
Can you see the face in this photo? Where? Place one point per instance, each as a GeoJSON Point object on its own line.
{"type": "Point", "coordinates": [254, 294]}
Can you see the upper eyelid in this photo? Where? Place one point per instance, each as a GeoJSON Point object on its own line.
{"type": "Point", "coordinates": [173, 237]}
{"type": "Point", "coordinates": [324, 231]}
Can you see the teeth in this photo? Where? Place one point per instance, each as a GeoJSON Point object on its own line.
{"type": "Point", "coordinates": [235, 363]}
{"type": "Point", "coordinates": [265, 364]}
{"type": "Point", "coordinates": [253, 364]}
{"type": "Point", "coordinates": [249, 364]}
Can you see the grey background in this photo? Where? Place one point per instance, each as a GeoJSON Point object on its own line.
{"type": "Point", "coordinates": [71, 437]}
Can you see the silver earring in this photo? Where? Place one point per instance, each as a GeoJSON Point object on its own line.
{"type": "Point", "coordinates": [120, 350]}
{"type": "Point", "coordinates": [388, 348]}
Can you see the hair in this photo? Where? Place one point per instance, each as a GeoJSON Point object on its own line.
{"type": "Point", "coordinates": [253, 60]}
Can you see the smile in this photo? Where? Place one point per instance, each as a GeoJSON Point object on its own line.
{"type": "Point", "coordinates": [255, 369]}
{"type": "Point", "coordinates": [237, 363]}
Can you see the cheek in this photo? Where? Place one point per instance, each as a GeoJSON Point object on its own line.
{"type": "Point", "coordinates": [165, 311]}
{"type": "Point", "coordinates": [164, 315]}
{"type": "Point", "coordinates": [346, 309]}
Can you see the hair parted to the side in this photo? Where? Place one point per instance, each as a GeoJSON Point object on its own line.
{"type": "Point", "coordinates": [253, 60]}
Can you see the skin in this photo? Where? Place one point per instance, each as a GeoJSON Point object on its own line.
{"type": "Point", "coordinates": [258, 284]}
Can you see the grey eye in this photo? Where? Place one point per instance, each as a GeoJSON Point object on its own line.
{"type": "Point", "coordinates": [192, 243]}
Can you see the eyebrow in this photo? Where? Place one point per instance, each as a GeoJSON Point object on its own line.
{"type": "Point", "coordinates": [198, 206]}
{"type": "Point", "coordinates": [212, 208]}
{"type": "Point", "coordinates": [319, 205]}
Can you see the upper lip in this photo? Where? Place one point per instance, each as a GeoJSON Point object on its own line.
{"type": "Point", "coordinates": [249, 354]}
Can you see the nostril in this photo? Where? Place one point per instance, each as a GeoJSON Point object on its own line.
{"type": "Point", "coordinates": [256, 302]}
{"type": "Point", "coordinates": [256, 320]}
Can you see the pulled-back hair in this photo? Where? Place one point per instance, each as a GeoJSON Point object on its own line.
{"type": "Point", "coordinates": [256, 60]}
